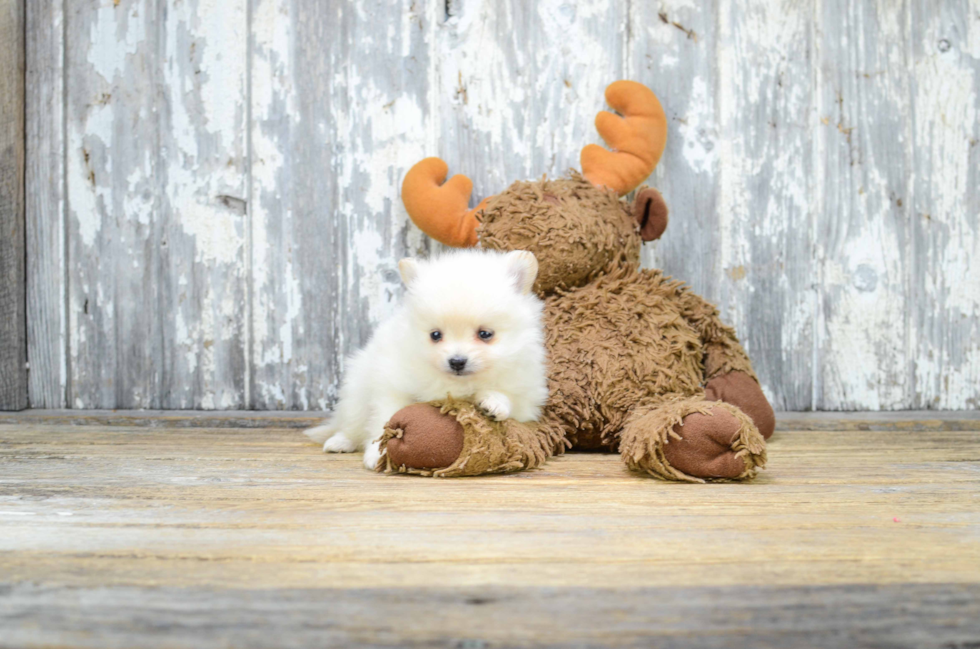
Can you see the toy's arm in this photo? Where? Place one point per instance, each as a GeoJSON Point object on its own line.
{"type": "Point", "coordinates": [454, 438]}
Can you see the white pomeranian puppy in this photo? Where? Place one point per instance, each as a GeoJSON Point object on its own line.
{"type": "Point", "coordinates": [468, 327]}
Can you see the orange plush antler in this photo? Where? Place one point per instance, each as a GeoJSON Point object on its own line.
{"type": "Point", "coordinates": [637, 138]}
{"type": "Point", "coordinates": [440, 209]}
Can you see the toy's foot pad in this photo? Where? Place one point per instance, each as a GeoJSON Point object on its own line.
{"type": "Point", "coordinates": [425, 438]}
{"type": "Point", "coordinates": [706, 445]}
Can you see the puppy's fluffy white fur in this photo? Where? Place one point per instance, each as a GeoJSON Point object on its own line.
{"type": "Point", "coordinates": [433, 346]}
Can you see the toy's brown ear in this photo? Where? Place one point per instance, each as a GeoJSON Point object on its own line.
{"type": "Point", "coordinates": [650, 212]}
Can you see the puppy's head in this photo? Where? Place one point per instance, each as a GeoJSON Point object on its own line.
{"type": "Point", "coordinates": [472, 310]}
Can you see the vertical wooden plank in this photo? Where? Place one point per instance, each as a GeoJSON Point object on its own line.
{"type": "Point", "coordinates": [520, 84]}
{"type": "Point", "coordinates": [114, 205]}
{"type": "Point", "coordinates": [944, 266]}
{"type": "Point", "coordinates": [202, 252]}
{"type": "Point", "coordinates": [735, 82]}
{"type": "Point", "coordinates": [674, 47]}
{"type": "Point", "coordinates": [340, 110]}
{"type": "Point", "coordinates": [862, 205]}
{"type": "Point", "coordinates": [766, 103]}
{"type": "Point", "coordinates": [13, 321]}
{"type": "Point", "coordinates": [155, 160]}
{"type": "Point", "coordinates": [47, 326]}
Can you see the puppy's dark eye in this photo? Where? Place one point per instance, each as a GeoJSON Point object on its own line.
{"type": "Point", "coordinates": [484, 334]}
{"type": "Point", "coordinates": [436, 336]}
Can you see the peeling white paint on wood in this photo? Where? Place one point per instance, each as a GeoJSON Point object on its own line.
{"type": "Point", "coordinates": [739, 99]}
{"type": "Point", "coordinates": [156, 189]}
{"type": "Point", "coordinates": [944, 273]}
{"type": "Point", "coordinates": [862, 105]}
{"type": "Point", "coordinates": [520, 84]}
{"type": "Point", "coordinates": [213, 187]}
{"type": "Point", "coordinates": [340, 106]}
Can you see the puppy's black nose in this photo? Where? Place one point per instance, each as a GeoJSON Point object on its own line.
{"type": "Point", "coordinates": [457, 363]}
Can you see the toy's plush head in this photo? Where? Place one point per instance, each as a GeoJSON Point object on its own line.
{"type": "Point", "coordinates": [577, 227]}
{"type": "Point", "coordinates": [575, 230]}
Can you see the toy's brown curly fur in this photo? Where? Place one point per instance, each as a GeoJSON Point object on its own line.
{"type": "Point", "coordinates": [576, 232]}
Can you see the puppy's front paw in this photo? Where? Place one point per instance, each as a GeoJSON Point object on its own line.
{"type": "Point", "coordinates": [339, 443]}
{"type": "Point", "coordinates": [496, 405]}
{"type": "Point", "coordinates": [372, 455]}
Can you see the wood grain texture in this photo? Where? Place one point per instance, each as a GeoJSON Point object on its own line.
{"type": "Point", "coordinates": [233, 508]}
{"type": "Point", "coordinates": [341, 98]}
{"type": "Point", "coordinates": [737, 87]}
{"type": "Point", "coordinates": [201, 126]}
{"type": "Point", "coordinates": [520, 85]}
{"type": "Point", "coordinates": [112, 171]}
{"type": "Point", "coordinates": [13, 318]}
{"type": "Point", "coordinates": [674, 48]}
{"type": "Point", "coordinates": [218, 224]}
{"type": "Point", "coordinates": [116, 536]}
{"type": "Point", "coordinates": [862, 237]}
{"type": "Point", "coordinates": [47, 324]}
{"type": "Point", "coordinates": [765, 98]}
{"type": "Point", "coordinates": [944, 213]}
{"type": "Point", "coordinates": [156, 228]}
{"type": "Point", "coordinates": [940, 616]}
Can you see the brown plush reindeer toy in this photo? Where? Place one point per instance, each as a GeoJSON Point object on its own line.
{"type": "Point", "coordinates": [637, 363]}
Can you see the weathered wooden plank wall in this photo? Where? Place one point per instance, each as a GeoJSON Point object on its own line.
{"type": "Point", "coordinates": [213, 210]}
{"type": "Point", "coordinates": [45, 211]}
{"type": "Point", "coordinates": [13, 306]}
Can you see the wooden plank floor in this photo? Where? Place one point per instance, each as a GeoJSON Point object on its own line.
{"type": "Point", "coordinates": [176, 536]}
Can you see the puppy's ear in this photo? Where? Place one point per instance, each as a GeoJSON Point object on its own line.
{"type": "Point", "coordinates": [523, 267]}
{"type": "Point", "coordinates": [408, 268]}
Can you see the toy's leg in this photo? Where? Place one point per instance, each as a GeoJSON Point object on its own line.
{"type": "Point", "coordinates": [743, 391]}
{"type": "Point", "coordinates": [693, 440]}
{"type": "Point", "coordinates": [726, 365]}
{"type": "Point", "coordinates": [454, 438]}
